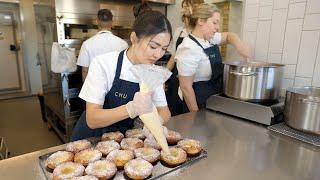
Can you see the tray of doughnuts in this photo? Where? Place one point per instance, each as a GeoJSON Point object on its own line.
{"type": "Point", "coordinates": [132, 155]}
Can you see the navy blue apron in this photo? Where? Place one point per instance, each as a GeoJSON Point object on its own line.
{"type": "Point", "coordinates": [173, 99]}
{"type": "Point", "coordinates": [204, 89]}
{"type": "Point", "coordinates": [120, 93]}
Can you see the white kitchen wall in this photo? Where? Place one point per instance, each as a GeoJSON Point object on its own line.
{"type": "Point", "coordinates": [288, 32]}
{"type": "Point", "coordinates": [173, 14]}
{"type": "Point", "coordinates": [235, 25]}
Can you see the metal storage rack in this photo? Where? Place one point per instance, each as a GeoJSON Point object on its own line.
{"type": "Point", "coordinates": [62, 104]}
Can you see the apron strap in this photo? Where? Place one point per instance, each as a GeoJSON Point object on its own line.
{"type": "Point", "coordinates": [194, 39]}
{"type": "Point", "coordinates": [119, 65]}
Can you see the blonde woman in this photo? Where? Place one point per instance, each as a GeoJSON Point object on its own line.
{"type": "Point", "coordinates": [198, 57]}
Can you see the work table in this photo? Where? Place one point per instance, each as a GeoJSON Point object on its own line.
{"type": "Point", "coordinates": [237, 149]}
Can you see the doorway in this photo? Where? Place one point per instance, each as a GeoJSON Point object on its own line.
{"type": "Point", "coordinates": [13, 81]}
{"type": "Point", "coordinates": [9, 68]}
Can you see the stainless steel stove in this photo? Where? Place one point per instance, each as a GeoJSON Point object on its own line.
{"type": "Point", "coordinates": [267, 113]}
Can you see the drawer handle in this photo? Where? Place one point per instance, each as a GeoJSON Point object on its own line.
{"type": "Point", "coordinates": [243, 74]}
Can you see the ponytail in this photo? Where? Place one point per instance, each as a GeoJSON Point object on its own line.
{"type": "Point", "coordinates": [187, 5]}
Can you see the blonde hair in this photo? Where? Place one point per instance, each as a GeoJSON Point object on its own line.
{"type": "Point", "coordinates": [201, 11]}
{"type": "Point", "coordinates": [186, 15]}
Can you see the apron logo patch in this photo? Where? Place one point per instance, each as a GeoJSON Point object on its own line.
{"type": "Point", "coordinates": [121, 95]}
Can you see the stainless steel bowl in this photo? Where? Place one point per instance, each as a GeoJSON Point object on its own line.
{"type": "Point", "coordinates": [253, 81]}
{"type": "Point", "coordinates": [302, 109]}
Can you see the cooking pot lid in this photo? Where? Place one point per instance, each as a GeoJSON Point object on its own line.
{"type": "Point", "coordinates": [306, 90]}
{"type": "Point", "coordinates": [252, 64]}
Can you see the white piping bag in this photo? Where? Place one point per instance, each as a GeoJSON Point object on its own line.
{"type": "Point", "coordinates": [151, 77]}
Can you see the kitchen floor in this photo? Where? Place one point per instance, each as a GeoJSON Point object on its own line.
{"type": "Point", "coordinates": [22, 126]}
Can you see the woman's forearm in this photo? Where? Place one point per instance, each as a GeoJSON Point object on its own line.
{"type": "Point", "coordinates": [233, 39]}
{"type": "Point", "coordinates": [98, 117]}
{"type": "Point", "coordinates": [190, 98]}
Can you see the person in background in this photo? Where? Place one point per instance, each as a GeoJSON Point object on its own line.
{"type": "Point", "coordinates": [172, 85]}
{"type": "Point", "coordinates": [104, 41]}
{"type": "Point", "coordinates": [198, 57]}
{"type": "Point", "coordinates": [111, 90]}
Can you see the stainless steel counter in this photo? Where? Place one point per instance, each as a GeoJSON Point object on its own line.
{"type": "Point", "coordinates": [237, 149]}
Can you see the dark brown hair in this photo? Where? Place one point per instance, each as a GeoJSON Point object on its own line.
{"type": "Point", "coordinates": [151, 23]}
{"type": "Point", "coordinates": [105, 15]}
{"type": "Point", "coordinates": [140, 8]}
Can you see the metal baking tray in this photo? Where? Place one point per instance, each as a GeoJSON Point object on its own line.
{"type": "Point", "coordinates": [159, 170]}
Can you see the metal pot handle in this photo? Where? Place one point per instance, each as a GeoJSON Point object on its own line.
{"type": "Point", "coordinates": [312, 101]}
{"type": "Point", "coordinates": [243, 74]}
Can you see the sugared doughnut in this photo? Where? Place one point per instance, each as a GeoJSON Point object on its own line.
{"type": "Point", "coordinates": [77, 146]}
{"type": "Point", "coordinates": [149, 154]}
{"type": "Point", "coordinates": [87, 177]}
{"type": "Point", "coordinates": [151, 142]}
{"type": "Point", "coordinates": [87, 156]}
{"type": "Point", "coordinates": [135, 133]}
{"type": "Point", "coordinates": [120, 157]}
{"type": "Point", "coordinates": [105, 147]}
{"type": "Point", "coordinates": [191, 146]}
{"type": "Point", "coordinates": [131, 143]}
{"type": "Point", "coordinates": [101, 169]}
{"type": "Point", "coordinates": [57, 158]}
{"type": "Point", "coordinates": [173, 137]}
{"type": "Point", "coordinates": [176, 157]}
{"type": "Point", "coordinates": [138, 169]}
{"type": "Point", "coordinates": [117, 136]}
{"type": "Point", "coordinates": [68, 170]}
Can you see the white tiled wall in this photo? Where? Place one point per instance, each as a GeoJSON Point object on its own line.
{"type": "Point", "coordinates": [265, 13]}
{"type": "Point", "coordinates": [278, 27]}
{"type": "Point", "coordinates": [313, 6]}
{"type": "Point", "coordinates": [262, 40]}
{"type": "Point", "coordinates": [311, 22]}
{"type": "Point", "coordinates": [292, 41]}
{"type": "Point", "coordinates": [287, 32]}
{"type": "Point", "coordinates": [296, 10]}
{"type": "Point", "coordinates": [308, 53]}
{"type": "Point", "coordinates": [316, 74]}
{"type": "Point", "coordinates": [280, 4]}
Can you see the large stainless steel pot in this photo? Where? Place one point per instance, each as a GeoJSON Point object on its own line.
{"type": "Point", "coordinates": [302, 109]}
{"type": "Point", "coordinates": [252, 81]}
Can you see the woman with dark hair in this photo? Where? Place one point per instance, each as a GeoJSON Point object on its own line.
{"type": "Point", "coordinates": [111, 90]}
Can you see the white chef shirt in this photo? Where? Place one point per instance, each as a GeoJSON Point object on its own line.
{"type": "Point", "coordinates": [191, 59]}
{"type": "Point", "coordinates": [101, 43]}
{"type": "Point", "coordinates": [101, 75]}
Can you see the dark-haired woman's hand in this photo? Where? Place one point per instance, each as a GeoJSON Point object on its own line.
{"type": "Point", "coordinates": [141, 104]}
